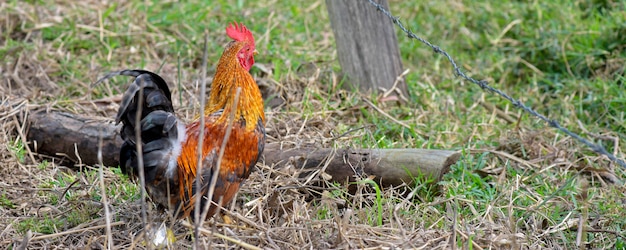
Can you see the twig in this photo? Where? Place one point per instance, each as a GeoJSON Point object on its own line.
{"type": "Point", "coordinates": [224, 237]}
{"type": "Point", "coordinates": [142, 174]}
{"type": "Point", "coordinates": [80, 159]}
{"type": "Point", "coordinates": [48, 236]}
{"type": "Point", "coordinates": [484, 85]}
{"type": "Point", "coordinates": [493, 109]}
{"type": "Point", "coordinates": [509, 156]}
{"type": "Point", "coordinates": [393, 118]}
{"type": "Point", "coordinates": [198, 193]}
{"type": "Point", "coordinates": [350, 131]}
{"type": "Point", "coordinates": [466, 237]}
{"type": "Point", "coordinates": [105, 200]}
{"type": "Point", "coordinates": [566, 223]}
{"type": "Point", "coordinates": [394, 87]}
{"type": "Point", "coordinates": [385, 114]}
{"type": "Point", "coordinates": [20, 131]}
{"type": "Point", "coordinates": [27, 238]}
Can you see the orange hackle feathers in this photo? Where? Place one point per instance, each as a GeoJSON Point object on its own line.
{"type": "Point", "coordinates": [243, 147]}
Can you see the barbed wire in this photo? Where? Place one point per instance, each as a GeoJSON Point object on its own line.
{"type": "Point", "coordinates": [484, 85]}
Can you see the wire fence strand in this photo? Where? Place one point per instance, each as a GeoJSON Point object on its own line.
{"type": "Point", "coordinates": [484, 85]}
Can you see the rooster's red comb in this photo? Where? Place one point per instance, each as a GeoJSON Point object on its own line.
{"type": "Point", "coordinates": [239, 32]}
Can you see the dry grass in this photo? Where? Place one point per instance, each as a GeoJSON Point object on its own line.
{"type": "Point", "coordinates": [518, 186]}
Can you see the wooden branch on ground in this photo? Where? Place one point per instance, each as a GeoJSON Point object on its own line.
{"type": "Point", "coordinates": [390, 167]}
{"type": "Point", "coordinates": [74, 137]}
{"type": "Point", "coordinates": [77, 138]}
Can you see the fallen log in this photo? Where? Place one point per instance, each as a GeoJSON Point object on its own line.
{"type": "Point", "coordinates": [73, 137]}
{"type": "Point", "coordinates": [77, 138]}
{"type": "Point", "coordinates": [389, 167]}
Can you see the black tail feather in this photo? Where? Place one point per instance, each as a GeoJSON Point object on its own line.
{"type": "Point", "coordinates": [159, 129]}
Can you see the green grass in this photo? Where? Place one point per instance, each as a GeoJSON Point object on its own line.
{"type": "Point", "coordinates": [76, 204]}
{"type": "Point", "coordinates": [6, 202]}
{"type": "Point", "coordinates": [377, 215]}
{"type": "Point", "coordinates": [565, 59]}
{"type": "Point", "coordinates": [47, 224]}
{"type": "Point", "coordinates": [41, 225]}
{"type": "Point", "coordinates": [18, 149]}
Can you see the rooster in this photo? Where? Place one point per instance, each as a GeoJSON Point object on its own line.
{"type": "Point", "coordinates": [170, 149]}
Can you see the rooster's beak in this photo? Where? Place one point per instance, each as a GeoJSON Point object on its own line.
{"type": "Point", "coordinates": [255, 52]}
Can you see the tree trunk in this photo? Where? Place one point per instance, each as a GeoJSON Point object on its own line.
{"type": "Point", "coordinates": [367, 45]}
